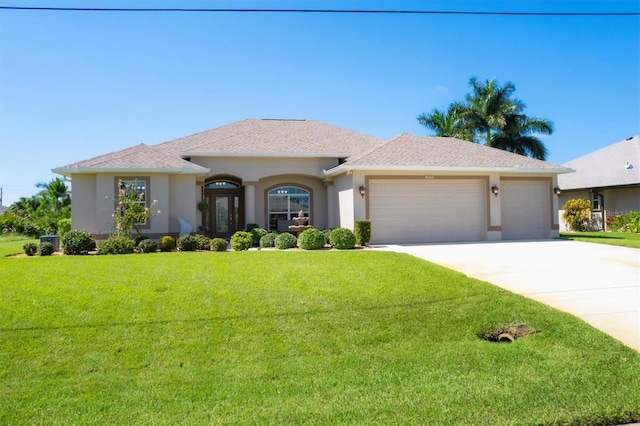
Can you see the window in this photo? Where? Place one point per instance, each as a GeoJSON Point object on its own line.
{"type": "Point", "coordinates": [596, 201]}
{"type": "Point", "coordinates": [221, 184]}
{"type": "Point", "coordinates": [285, 202]}
{"type": "Point", "coordinates": [135, 188]}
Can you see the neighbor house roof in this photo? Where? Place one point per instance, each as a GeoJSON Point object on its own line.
{"type": "Point", "coordinates": [411, 152]}
{"type": "Point", "coordinates": [139, 158]}
{"type": "Point", "coordinates": [272, 137]}
{"type": "Point", "coordinates": [614, 165]}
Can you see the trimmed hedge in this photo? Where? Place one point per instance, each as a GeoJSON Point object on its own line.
{"type": "Point", "coordinates": [187, 243]}
{"type": "Point", "coordinates": [147, 246]}
{"type": "Point", "coordinates": [30, 249]}
{"type": "Point", "coordinates": [117, 244]}
{"type": "Point", "coordinates": [77, 242]}
{"type": "Point", "coordinates": [268, 240]}
{"type": "Point", "coordinates": [342, 239]}
{"type": "Point", "coordinates": [218, 244]}
{"type": "Point", "coordinates": [46, 248]}
{"type": "Point", "coordinates": [241, 240]}
{"type": "Point", "coordinates": [167, 243]}
{"type": "Point", "coordinates": [311, 239]}
{"type": "Point", "coordinates": [285, 241]}
{"type": "Point", "coordinates": [362, 230]}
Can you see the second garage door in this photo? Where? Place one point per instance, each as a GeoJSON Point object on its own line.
{"type": "Point", "coordinates": [526, 210]}
{"type": "Point", "coordinates": [431, 210]}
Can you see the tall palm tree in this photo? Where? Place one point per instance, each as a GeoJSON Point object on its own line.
{"type": "Point", "coordinates": [517, 136]}
{"type": "Point", "coordinates": [56, 191]}
{"type": "Point", "coordinates": [450, 123]}
{"type": "Point", "coordinates": [488, 105]}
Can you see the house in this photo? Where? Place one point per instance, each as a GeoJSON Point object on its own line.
{"type": "Point", "coordinates": [413, 189]}
{"type": "Point", "coordinates": [608, 177]}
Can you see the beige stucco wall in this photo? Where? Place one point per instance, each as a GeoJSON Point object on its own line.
{"type": "Point", "coordinates": [622, 199]}
{"type": "Point", "coordinates": [83, 211]}
{"type": "Point", "coordinates": [183, 197]}
{"type": "Point", "coordinates": [253, 169]}
{"type": "Point", "coordinates": [343, 191]}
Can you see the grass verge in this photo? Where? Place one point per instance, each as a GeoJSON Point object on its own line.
{"type": "Point", "coordinates": [623, 239]}
{"type": "Point", "coordinates": [353, 337]}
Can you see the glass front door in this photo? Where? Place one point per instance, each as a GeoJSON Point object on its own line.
{"type": "Point", "coordinates": [225, 215]}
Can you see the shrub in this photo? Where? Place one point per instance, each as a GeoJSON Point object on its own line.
{"type": "Point", "coordinates": [311, 239]}
{"type": "Point", "coordinates": [219, 244]}
{"type": "Point", "coordinates": [77, 242]}
{"type": "Point", "coordinates": [203, 242]}
{"type": "Point", "coordinates": [285, 241]}
{"type": "Point", "coordinates": [187, 243]}
{"type": "Point", "coordinates": [362, 230]}
{"type": "Point", "coordinates": [342, 238]}
{"type": "Point", "coordinates": [140, 238]}
{"type": "Point", "coordinates": [64, 226]}
{"type": "Point", "coordinates": [30, 249]}
{"type": "Point", "coordinates": [241, 240]}
{"type": "Point", "coordinates": [268, 240]}
{"type": "Point", "coordinates": [258, 233]}
{"type": "Point", "coordinates": [327, 234]}
{"type": "Point", "coordinates": [147, 246]}
{"type": "Point", "coordinates": [167, 243]}
{"type": "Point", "coordinates": [251, 226]}
{"type": "Point", "coordinates": [46, 248]}
{"type": "Point", "coordinates": [577, 214]}
{"type": "Point", "coordinates": [629, 222]}
{"type": "Point", "coordinates": [117, 244]}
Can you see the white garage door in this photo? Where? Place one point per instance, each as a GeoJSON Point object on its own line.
{"type": "Point", "coordinates": [525, 206]}
{"type": "Point", "coordinates": [433, 210]}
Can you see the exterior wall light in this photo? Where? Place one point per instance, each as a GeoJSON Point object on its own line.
{"type": "Point", "coordinates": [495, 190]}
{"type": "Point", "coordinates": [363, 191]}
{"type": "Point", "coordinates": [556, 190]}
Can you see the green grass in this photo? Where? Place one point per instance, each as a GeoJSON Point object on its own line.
{"type": "Point", "coordinates": [353, 337]}
{"type": "Point", "coordinates": [624, 239]}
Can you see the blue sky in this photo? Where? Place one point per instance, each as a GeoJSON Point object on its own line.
{"type": "Point", "coordinates": [74, 85]}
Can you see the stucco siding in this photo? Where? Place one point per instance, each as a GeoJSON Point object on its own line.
{"type": "Point", "coordinates": [343, 188]}
{"type": "Point", "coordinates": [622, 199]}
{"type": "Point", "coordinates": [83, 203]}
{"type": "Point", "coordinates": [254, 169]}
{"type": "Point", "coordinates": [182, 202]}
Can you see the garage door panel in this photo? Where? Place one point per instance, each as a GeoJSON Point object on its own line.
{"type": "Point", "coordinates": [407, 211]}
{"type": "Point", "coordinates": [525, 209]}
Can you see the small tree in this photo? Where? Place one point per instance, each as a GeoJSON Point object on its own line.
{"type": "Point", "coordinates": [577, 214]}
{"type": "Point", "coordinates": [130, 210]}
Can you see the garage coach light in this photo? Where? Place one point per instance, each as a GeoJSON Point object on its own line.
{"type": "Point", "coordinates": [363, 191]}
{"type": "Point", "coordinates": [495, 190]}
{"type": "Point", "coordinates": [556, 190]}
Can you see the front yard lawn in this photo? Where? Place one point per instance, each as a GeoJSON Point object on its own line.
{"type": "Point", "coordinates": [268, 337]}
{"type": "Point", "coordinates": [624, 239]}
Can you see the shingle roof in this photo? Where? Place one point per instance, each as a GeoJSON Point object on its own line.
{"type": "Point", "coordinates": [406, 150]}
{"type": "Point", "coordinates": [273, 137]}
{"type": "Point", "coordinates": [139, 157]}
{"type": "Point", "coordinates": [614, 165]}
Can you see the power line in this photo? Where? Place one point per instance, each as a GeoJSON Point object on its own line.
{"type": "Point", "coordinates": [351, 11]}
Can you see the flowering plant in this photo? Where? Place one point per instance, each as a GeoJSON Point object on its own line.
{"type": "Point", "coordinates": [131, 211]}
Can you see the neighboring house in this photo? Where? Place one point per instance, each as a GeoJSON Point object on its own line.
{"type": "Point", "coordinates": [413, 189]}
{"type": "Point", "coordinates": [608, 177]}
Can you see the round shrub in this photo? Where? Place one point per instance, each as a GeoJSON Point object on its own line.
{"type": "Point", "coordinates": [147, 246]}
{"type": "Point", "coordinates": [311, 239]}
{"type": "Point", "coordinates": [268, 240]}
{"type": "Point", "coordinates": [77, 242]}
{"type": "Point", "coordinates": [285, 241]}
{"type": "Point", "coordinates": [342, 238]}
{"type": "Point", "coordinates": [30, 249]}
{"type": "Point", "coordinates": [219, 244]}
{"type": "Point", "coordinates": [117, 244]}
{"type": "Point", "coordinates": [203, 242]}
{"type": "Point", "coordinates": [258, 233]}
{"type": "Point", "coordinates": [167, 243]}
{"type": "Point", "coordinates": [46, 248]}
{"type": "Point", "coordinates": [251, 226]}
{"type": "Point", "coordinates": [140, 238]}
{"type": "Point", "coordinates": [577, 214]}
{"type": "Point", "coordinates": [241, 240]}
{"type": "Point", "coordinates": [187, 243]}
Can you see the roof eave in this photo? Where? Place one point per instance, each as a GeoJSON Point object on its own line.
{"type": "Point", "coordinates": [191, 154]}
{"type": "Point", "coordinates": [344, 168]}
{"type": "Point", "coordinates": [68, 171]}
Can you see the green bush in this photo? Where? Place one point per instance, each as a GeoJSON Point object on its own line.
{"type": "Point", "coordinates": [203, 242]}
{"type": "Point", "coordinates": [362, 230]}
{"type": "Point", "coordinates": [241, 240]}
{"type": "Point", "coordinates": [30, 249]}
{"type": "Point", "coordinates": [139, 239]}
{"type": "Point", "coordinates": [46, 248]}
{"type": "Point", "coordinates": [285, 241]}
{"type": "Point", "coordinates": [342, 238]}
{"type": "Point", "coordinates": [258, 233]}
{"type": "Point", "coordinates": [327, 234]}
{"type": "Point", "coordinates": [251, 226]}
{"type": "Point", "coordinates": [629, 222]}
{"type": "Point", "coordinates": [117, 244]}
{"type": "Point", "coordinates": [577, 214]}
{"type": "Point", "coordinates": [219, 244]}
{"type": "Point", "coordinates": [77, 242]}
{"type": "Point", "coordinates": [64, 226]}
{"type": "Point", "coordinates": [147, 246]}
{"type": "Point", "coordinates": [268, 240]}
{"type": "Point", "coordinates": [187, 243]}
{"type": "Point", "coordinates": [167, 243]}
{"type": "Point", "coordinates": [311, 239]}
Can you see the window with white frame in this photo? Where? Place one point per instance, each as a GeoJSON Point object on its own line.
{"type": "Point", "coordinates": [134, 188]}
{"type": "Point", "coordinates": [596, 201]}
{"type": "Point", "coordinates": [285, 202]}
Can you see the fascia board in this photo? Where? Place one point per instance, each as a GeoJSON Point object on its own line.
{"type": "Point", "coordinates": [345, 168]}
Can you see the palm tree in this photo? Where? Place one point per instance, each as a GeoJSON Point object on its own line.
{"type": "Point", "coordinates": [451, 123]}
{"type": "Point", "coordinates": [56, 192]}
{"type": "Point", "coordinates": [488, 106]}
{"type": "Point", "coordinates": [516, 136]}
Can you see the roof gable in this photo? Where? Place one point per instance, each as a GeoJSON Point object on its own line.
{"type": "Point", "coordinates": [613, 165]}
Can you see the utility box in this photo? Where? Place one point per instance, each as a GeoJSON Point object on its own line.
{"type": "Point", "coordinates": [53, 239]}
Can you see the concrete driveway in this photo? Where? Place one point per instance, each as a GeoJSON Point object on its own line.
{"type": "Point", "coordinates": [598, 283]}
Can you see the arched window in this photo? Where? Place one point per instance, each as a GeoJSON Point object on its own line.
{"type": "Point", "coordinates": [221, 184]}
{"type": "Point", "coordinates": [285, 202]}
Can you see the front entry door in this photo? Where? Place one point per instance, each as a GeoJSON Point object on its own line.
{"type": "Point", "coordinates": [225, 214]}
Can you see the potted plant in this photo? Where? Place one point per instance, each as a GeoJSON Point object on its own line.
{"type": "Point", "coordinates": [203, 206]}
